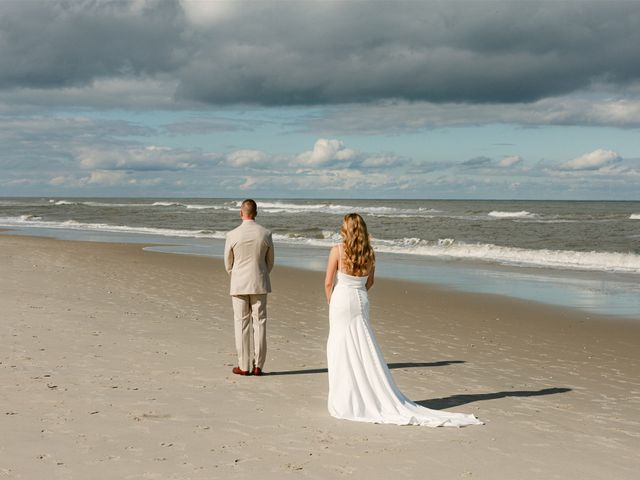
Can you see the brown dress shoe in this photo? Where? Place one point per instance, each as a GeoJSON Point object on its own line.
{"type": "Point", "coordinates": [238, 371]}
{"type": "Point", "coordinates": [257, 371]}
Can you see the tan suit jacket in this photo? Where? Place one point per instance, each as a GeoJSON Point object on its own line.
{"type": "Point", "coordinates": [248, 258]}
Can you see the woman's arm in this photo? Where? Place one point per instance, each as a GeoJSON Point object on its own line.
{"type": "Point", "coordinates": [332, 268]}
{"type": "Point", "coordinates": [370, 280]}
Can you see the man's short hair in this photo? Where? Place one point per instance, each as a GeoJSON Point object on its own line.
{"type": "Point", "coordinates": [249, 208]}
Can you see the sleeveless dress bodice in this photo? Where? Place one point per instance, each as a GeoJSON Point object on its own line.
{"type": "Point", "coordinates": [350, 281]}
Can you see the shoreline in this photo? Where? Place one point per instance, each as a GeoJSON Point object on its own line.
{"type": "Point", "coordinates": [592, 293]}
{"type": "Point", "coordinates": [406, 284]}
{"type": "Point", "coordinates": [118, 360]}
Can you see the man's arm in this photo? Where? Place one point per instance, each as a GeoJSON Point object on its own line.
{"type": "Point", "coordinates": [270, 256]}
{"type": "Point", "coordinates": [228, 255]}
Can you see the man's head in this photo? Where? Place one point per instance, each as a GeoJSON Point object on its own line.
{"type": "Point", "coordinates": [249, 209]}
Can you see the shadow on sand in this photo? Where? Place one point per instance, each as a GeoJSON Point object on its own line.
{"type": "Point", "coordinates": [456, 400]}
{"type": "Point", "coordinates": [441, 363]}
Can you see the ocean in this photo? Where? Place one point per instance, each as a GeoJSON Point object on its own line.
{"type": "Point", "coordinates": [579, 254]}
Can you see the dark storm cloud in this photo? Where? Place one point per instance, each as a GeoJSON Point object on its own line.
{"type": "Point", "coordinates": [287, 53]}
{"type": "Point", "coordinates": [50, 44]}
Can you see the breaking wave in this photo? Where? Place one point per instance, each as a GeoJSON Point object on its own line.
{"type": "Point", "coordinates": [449, 248]}
{"type": "Point", "coordinates": [445, 248]}
{"type": "Point", "coordinates": [33, 221]}
{"type": "Point", "coordinates": [521, 214]}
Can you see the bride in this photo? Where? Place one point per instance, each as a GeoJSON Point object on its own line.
{"type": "Point", "coordinates": [360, 385]}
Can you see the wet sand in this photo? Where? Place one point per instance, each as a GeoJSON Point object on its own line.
{"type": "Point", "coordinates": [116, 363]}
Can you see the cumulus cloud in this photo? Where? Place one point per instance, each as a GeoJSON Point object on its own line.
{"type": "Point", "coordinates": [383, 161]}
{"type": "Point", "coordinates": [326, 152]}
{"type": "Point", "coordinates": [595, 160]}
{"type": "Point", "coordinates": [510, 161]}
{"type": "Point", "coordinates": [58, 180]}
{"type": "Point", "coordinates": [331, 180]}
{"type": "Point", "coordinates": [246, 158]}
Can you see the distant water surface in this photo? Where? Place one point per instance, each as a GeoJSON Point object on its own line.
{"type": "Point", "coordinates": [578, 254]}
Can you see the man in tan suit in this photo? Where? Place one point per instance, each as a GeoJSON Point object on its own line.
{"type": "Point", "coordinates": [248, 258]}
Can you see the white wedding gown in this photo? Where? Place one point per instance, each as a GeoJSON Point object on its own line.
{"type": "Point", "coordinates": [360, 385]}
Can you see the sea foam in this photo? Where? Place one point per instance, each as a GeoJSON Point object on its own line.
{"type": "Point", "coordinates": [268, 207]}
{"type": "Point", "coordinates": [34, 221]}
{"type": "Point", "coordinates": [522, 214]}
{"type": "Point", "coordinates": [547, 258]}
{"type": "Point", "coordinates": [339, 209]}
{"type": "Point", "coordinates": [444, 248]}
{"type": "Point", "coordinates": [449, 248]}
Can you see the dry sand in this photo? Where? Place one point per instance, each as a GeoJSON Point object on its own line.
{"type": "Point", "coordinates": [115, 363]}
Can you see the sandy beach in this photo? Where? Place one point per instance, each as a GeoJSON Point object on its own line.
{"type": "Point", "coordinates": [116, 364]}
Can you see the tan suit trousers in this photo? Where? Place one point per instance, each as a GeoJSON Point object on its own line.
{"type": "Point", "coordinates": [248, 311]}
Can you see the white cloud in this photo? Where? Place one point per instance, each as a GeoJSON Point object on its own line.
{"type": "Point", "coordinates": [111, 178]}
{"type": "Point", "coordinates": [341, 179]}
{"type": "Point", "coordinates": [510, 161]}
{"type": "Point", "coordinates": [326, 152]}
{"type": "Point", "coordinates": [249, 182]}
{"type": "Point", "coordinates": [99, 178]}
{"type": "Point", "coordinates": [594, 160]}
{"type": "Point", "coordinates": [58, 180]}
{"type": "Point", "coordinates": [203, 13]}
{"type": "Point", "coordinates": [245, 158]}
{"type": "Point", "coordinates": [136, 158]}
{"type": "Point", "coordinates": [382, 161]}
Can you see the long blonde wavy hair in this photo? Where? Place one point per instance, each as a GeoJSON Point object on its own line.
{"type": "Point", "coordinates": [358, 256]}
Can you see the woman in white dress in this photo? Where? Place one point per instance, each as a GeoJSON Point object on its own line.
{"type": "Point", "coordinates": [361, 387]}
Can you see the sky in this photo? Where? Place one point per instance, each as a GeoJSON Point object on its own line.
{"type": "Point", "coordinates": [320, 99]}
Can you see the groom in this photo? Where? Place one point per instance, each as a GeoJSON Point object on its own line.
{"type": "Point", "coordinates": [248, 258]}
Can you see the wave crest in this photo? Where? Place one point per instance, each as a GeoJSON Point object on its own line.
{"type": "Point", "coordinates": [521, 214]}
{"type": "Point", "coordinates": [34, 221]}
{"type": "Point", "coordinates": [442, 248]}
